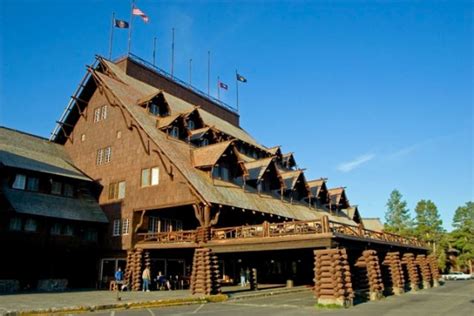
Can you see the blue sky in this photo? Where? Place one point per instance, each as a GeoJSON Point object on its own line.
{"type": "Point", "coordinates": [374, 95]}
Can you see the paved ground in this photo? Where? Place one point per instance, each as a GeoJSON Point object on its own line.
{"type": "Point", "coordinates": [454, 298]}
{"type": "Point", "coordinates": [43, 301]}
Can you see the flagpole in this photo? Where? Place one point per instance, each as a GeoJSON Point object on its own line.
{"type": "Point", "coordinates": [130, 27]}
{"type": "Point", "coordinates": [218, 88]}
{"type": "Point", "coordinates": [237, 89]}
{"type": "Point", "coordinates": [154, 50]}
{"type": "Point", "coordinates": [111, 36]}
{"type": "Point", "coordinates": [208, 72]}
{"type": "Point", "coordinates": [190, 70]}
{"type": "Point", "coordinates": [172, 53]}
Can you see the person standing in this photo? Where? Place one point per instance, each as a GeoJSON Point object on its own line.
{"type": "Point", "coordinates": [146, 277]}
{"type": "Point", "coordinates": [242, 277]}
{"type": "Point", "coordinates": [247, 276]}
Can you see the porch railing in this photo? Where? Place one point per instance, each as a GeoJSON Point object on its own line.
{"type": "Point", "coordinates": [169, 237]}
{"type": "Point", "coordinates": [267, 229]}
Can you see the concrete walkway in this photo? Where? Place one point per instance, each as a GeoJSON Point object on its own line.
{"type": "Point", "coordinates": [13, 304]}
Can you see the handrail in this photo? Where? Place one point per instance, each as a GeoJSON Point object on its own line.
{"type": "Point", "coordinates": [169, 237]}
{"type": "Point", "coordinates": [181, 82]}
{"type": "Point", "coordinates": [269, 230]}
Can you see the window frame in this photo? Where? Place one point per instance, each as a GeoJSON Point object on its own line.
{"type": "Point", "coordinates": [148, 175]}
{"type": "Point", "coordinates": [19, 176]}
{"type": "Point", "coordinates": [116, 227]}
{"type": "Point", "coordinates": [125, 226]}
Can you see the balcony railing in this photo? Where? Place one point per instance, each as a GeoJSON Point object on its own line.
{"type": "Point", "coordinates": [271, 230]}
{"type": "Point", "coordinates": [169, 237]}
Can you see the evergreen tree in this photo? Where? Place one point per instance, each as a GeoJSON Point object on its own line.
{"type": "Point", "coordinates": [463, 235]}
{"type": "Point", "coordinates": [428, 222]}
{"type": "Point", "coordinates": [397, 217]}
{"type": "Point", "coordinates": [428, 227]}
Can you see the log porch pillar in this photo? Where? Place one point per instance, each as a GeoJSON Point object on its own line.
{"type": "Point", "coordinates": [205, 273]}
{"type": "Point", "coordinates": [433, 261]}
{"type": "Point", "coordinates": [392, 260]}
{"type": "Point", "coordinates": [332, 277]}
{"type": "Point", "coordinates": [425, 270]}
{"type": "Point", "coordinates": [408, 259]}
{"type": "Point", "coordinates": [370, 261]}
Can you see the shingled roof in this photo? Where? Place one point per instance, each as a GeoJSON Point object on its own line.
{"type": "Point", "coordinates": [25, 151]}
{"type": "Point", "coordinates": [256, 169]}
{"type": "Point", "coordinates": [374, 224]}
{"type": "Point", "coordinates": [128, 91]}
{"type": "Point", "coordinates": [315, 186]}
{"type": "Point", "coordinates": [208, 156]}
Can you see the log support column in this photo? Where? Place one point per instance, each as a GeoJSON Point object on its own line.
{"type": "Point", "coordinates": [133, 271]}
{"type": "Point", "coordinates": [423, 263]}
{"type": "Point", "coordinates": [332, 278]}
{"type": "Point", "coordinates": [433, 261]}
{"type": "Point", "coordinates": [205, 273]}
{"type": "Point", "coordinates": [408, 259]}
{"type": "Point", "coordinates": [392, 260]}
{"type": "Point", "coordinates": [370, 261]}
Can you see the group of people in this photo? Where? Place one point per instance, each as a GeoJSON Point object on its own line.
{"type": "Point", "coordinates": [244, 277]}
{"type": "Point", "coordinates": [162, 282]}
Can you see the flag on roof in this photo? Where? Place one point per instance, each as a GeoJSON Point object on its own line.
{"type": "Point", "coordinates": [223, 86]}
{"type": "Point", "coordinates": [241, 78]}
{"type": "Point", "coordinates": [121, 24]}
{"type": "Point", "coordinates": [138, 12]}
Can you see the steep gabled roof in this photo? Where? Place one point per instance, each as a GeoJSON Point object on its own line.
{"type": "Point", "coordinates": [256, 169]}
{"type": "Point", "coordinates": [290, 178]}
{"type": "Point", "coordinates": [208, 156]}
{"type": "Point", "coordinates": [374, 224]}
{"type": "Point", "coordinates": [24, 151]}
{"type": "Point", "coordinates": [198, 133]}
{"type": "Point", "coordinates": [315, 186]}
{"type": "Point", "coordinates": [288, 160]}
{"type": "Point", "coordinates": [167, 120]}
{"type": "Point", "coordinates": [275, 150]}
{"type": "Point", "coordinates": [179, 154]}
{"type": "Point", "coordinates": [338, 197]}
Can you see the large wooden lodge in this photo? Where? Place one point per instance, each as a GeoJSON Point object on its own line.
{"type": "Point", "coordinates": [188, 192]}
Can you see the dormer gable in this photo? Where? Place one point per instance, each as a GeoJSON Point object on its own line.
{"type": "Point", "coordinates": [155, 104]}
{"type": "Point", "coordinates": [263, 175]}
{"type": "Point", "coordinates": [296, 187]}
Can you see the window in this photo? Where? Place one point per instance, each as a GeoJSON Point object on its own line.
{"type": "Point", "coordinates": [15, 224]}
{"type": "Point", "coordinates": [56, 229]}
{"type": "Point", "coordinates": [100, 157]}
{"type": "Point", "coordinates": [103, 112]}
{"type": "Point", "coordinates": [91, 235]}
{"type": "Point", "coordinates": [108, 154]}
{"type": "Point", "coordinates": [68, 190]}
{"type": "Point", "coordinates": [154, 224]}
{"type": "Point", "coordinates": [20, 182]}
{"type": "Point", "coordinates": [204, 142]}
{"type": "Point", "coordinates": [221, 172]}
{"type": "Point", "coordinates": [30, 225]}
{"type": "Point", "coordinates": [155, 176]}
{"type": "Point", "coordinates": [174, 132]}
{"type": "Point", "coordinates": [104, 155]}
{"type": "Point", "coordinates": [32, 184]}
{"type": "Point", "coordinates": [116, 228]}
{"type": "Point", "coordinates": [83, 137]}
{"type": "Point", "coordinates": [100, 113]}
{"type": "Point", "coordinates": [150, 176]}
{"type": "Point", "coordinates": [145, 177]}
{"type": "Point", "coordinates": [154, 109]}
{"type": "Point", "coordinates": [56, 187]}
{"type": "Point", "coordinates": [96, 115]}
{"type": "Point", "coordinates": [191, 125]}
{"type": "Point", "coordinates": [125, 225]}
{"type": "Point", "coordinates": [117, 190]}
{"type": "Point", "coordinates": [68, 230]}
{"type": "Point", "coordinates": [119, 134]}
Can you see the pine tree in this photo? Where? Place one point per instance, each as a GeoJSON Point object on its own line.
{"type": "Point", "coordinates": [463, 235]}
{"type": "Point", "coordinates": [428, 227]}
{"type": "Point", "coordinates": [397, 217]}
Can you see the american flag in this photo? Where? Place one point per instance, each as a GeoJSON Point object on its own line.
{"type": "Point", "coordinates": [137, 11]}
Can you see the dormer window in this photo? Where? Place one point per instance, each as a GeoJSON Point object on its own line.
{"type": "Point", "coordinates": [20, 182]}
{"type": "Point", "coordinates": [174, 132]}
{"type": "Point", "coordinates": [191, 125]}
{"type": "Point", "coordinates": [204, 142]}
{"type": "Point", "coordinates": [154, 109]}
{"type": "Point", "coordinates": [221, 172]}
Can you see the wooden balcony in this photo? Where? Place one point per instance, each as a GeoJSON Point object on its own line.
{"type": "Point", "coordinates": [286, 235]}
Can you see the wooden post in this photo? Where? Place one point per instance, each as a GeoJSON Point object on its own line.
{"type": "Point", "coordinates": [392, 260]}
{"type": "Point", "coordinates": [422, 262]}
{"type": "Point", "coordinates": [332, 277]}
{"type": "Point", "coordinates": [370, 261]}
{"type": "Point", "coordinates": [433, 262]}
{"type": "Point", "coordinates": [408, 259]}
{"type": "Point", "coordinates": [205, 273]}
{"type": "Point", "coordinates": [325, 224]}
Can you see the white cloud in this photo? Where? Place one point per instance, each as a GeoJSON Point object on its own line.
{"type": "Point", "coordinates": [355, 163]}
